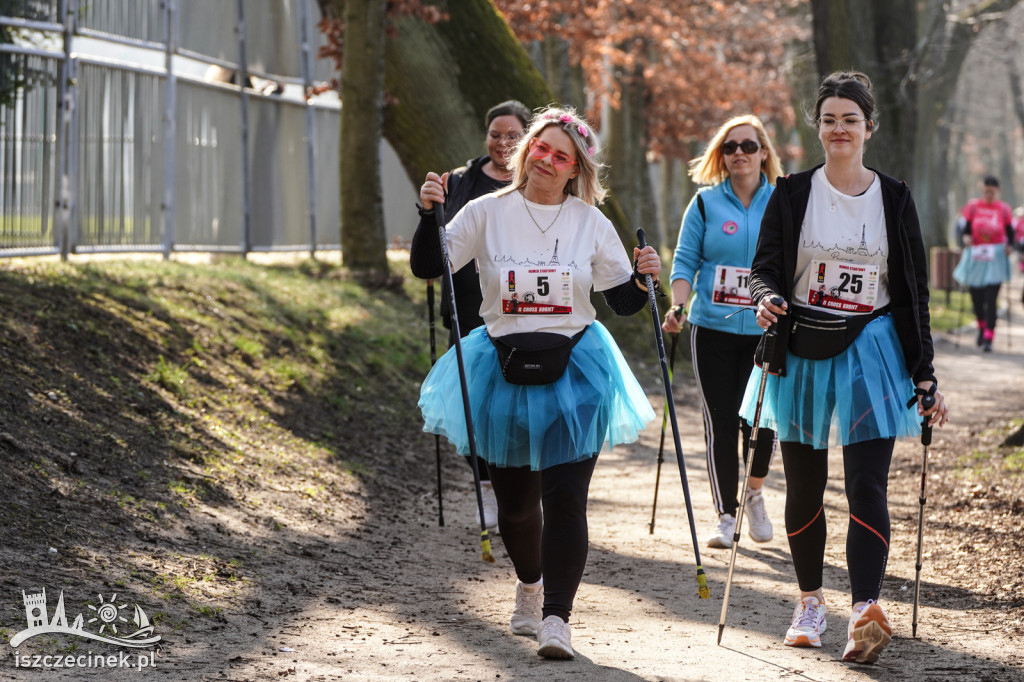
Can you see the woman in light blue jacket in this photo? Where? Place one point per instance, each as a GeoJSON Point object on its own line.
{"type": "Point", "coordinates": [711, 264]}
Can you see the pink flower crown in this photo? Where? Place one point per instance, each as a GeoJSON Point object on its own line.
{"type": "Point", "coordinates": [580, 128]}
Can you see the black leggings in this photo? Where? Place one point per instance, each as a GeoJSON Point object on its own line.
{"type": "Point", "coordinates": [722, 364]}
{"type": "Point", "coordinates": [481, 465]}
{"type": "Point", "coordinates": [866, 465]}
{"type": "Point", "coordinates": [543, 520]}
{"type": "Point", "coordinates": [984, 300]}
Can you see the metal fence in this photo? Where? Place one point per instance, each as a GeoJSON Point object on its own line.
{"type": "Point", "coordinates": [163, 126]}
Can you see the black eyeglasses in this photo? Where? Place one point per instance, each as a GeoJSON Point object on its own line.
{"type": "Point", "coordinates": [748, 146]}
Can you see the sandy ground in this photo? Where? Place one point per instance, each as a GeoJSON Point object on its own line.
{"type": "Point", "coordinates": [421, 604]}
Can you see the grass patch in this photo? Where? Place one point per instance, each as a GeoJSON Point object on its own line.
{"type": "Point", "coordinates": [947, 316]}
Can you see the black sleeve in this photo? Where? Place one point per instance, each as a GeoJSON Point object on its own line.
{"type": "Point", "coordinates": [925, 370]}
{"type": "Point", "coordinates": [626, 298]}
{"type": "Point", "coordinates": [425, 256]}
{"type": "Point", "coordinates": [766, 270]}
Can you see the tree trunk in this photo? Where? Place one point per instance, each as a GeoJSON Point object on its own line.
{"type": "Point", "coordinates": [363, 239]}
{"type": "Point", "coordinates": [626, 151]}
{"type": "Point", "coordinates": [445, 76]}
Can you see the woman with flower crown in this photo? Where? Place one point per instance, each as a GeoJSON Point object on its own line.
{"type": "Point", "coordinates": [542, 246]}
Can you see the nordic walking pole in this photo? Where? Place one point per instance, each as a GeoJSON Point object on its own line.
{"type": "Point", "coordinates": [927, 401]}
{"type": "Point", "coordinates": [437, 438]}
{"type": "Point", "coordinates": [1009, 307]}
{"type": "Point", "coordinates": [769, 351]}
{"type": "Point", "coordinates": [702, 581]}
{"type": "Point", "coordinates": [960, 315]}
{"type": "Point", "coordinates": [485, 539]}
{"type": "Point", "coordinates": [664, 423]}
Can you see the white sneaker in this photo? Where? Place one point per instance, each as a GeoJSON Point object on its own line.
{"type": "Point", "coordinates": [869, 632]}
{"type": "Point", "coordinates": [490, 506]}
{"type": "Point", "coordinates": [721, 537]}
{"type": "Point", "coordinates": [529, 608]}
{"type": "Point", "coordinates": [554, 639]}
{"type": "Point", "coordinates": [759, 527]}
{"type": "Point", "coordinates": [808, 623]}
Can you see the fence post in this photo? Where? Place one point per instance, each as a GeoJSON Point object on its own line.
{"type": "Point", "coordinates": [67, 139]}
{"type": "Point", "coordinates": [167, 208]}
{"type": "Point", "coordinates": [243, 82]}
{"type": "Point", "coordinates": [307, 83]}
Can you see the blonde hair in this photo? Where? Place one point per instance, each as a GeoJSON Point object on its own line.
{"type": "Point", "coordinates": [587, 183]}
{"type": "Point", "coordinates": [709, 168]}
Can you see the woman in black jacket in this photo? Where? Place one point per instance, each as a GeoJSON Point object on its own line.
{"type": "Point", "coordinates": [841, 245]}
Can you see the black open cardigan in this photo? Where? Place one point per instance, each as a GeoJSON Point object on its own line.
{"type": "Point", "coordinates": [774, 268]}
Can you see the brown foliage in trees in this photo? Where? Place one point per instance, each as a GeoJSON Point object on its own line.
{"type": "Point", "coordinates": [702, 62]}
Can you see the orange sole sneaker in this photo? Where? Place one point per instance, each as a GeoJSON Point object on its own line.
{"type": "Point", "coordinates": [870, 635]}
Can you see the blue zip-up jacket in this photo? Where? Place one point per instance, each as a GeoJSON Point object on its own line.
{"type": "Point", "coordinates": [728, 236]}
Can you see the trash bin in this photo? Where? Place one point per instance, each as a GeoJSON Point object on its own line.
{"type": "Point", "coordinates": [943, 261]}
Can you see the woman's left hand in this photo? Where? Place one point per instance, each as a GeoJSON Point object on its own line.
{"type": "Point", "coordinates": [940, 410]}
{"type": "Point", "coordinates": [647, 260]}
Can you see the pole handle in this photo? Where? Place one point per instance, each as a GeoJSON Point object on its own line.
{"type": "Point", "coordinates": [927, 403]}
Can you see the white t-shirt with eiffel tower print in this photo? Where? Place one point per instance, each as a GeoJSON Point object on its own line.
{"type": "Point", "coordinates": [536, 269]}
{"type": "Point", "coordinates": [842, 262]}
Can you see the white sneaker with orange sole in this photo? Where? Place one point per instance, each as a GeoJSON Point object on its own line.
{"type": "Point", "coordinates": [808, 623]}
{"type": "Point", "coordinates": [869, 633]}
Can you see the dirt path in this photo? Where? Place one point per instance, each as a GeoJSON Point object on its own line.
{"type": "Point", "coordinates": [393, 596]}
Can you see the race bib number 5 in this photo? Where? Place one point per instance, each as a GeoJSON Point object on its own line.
{"type": "Point", "coordinates": [731, 286]}
{"type": "Point", "coordinates": [536, 291]}
{"type": "Point", "coordinates": [848, 287]}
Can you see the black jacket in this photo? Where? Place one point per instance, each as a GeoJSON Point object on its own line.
{"type": "Point", "coordinates": [774, 268]}
{"type": "Point", "coordinates": [461, 184]}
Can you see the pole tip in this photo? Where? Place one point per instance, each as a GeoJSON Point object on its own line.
{"type": "Point", "coordinates": [485, 546]}
{"type": "Point", "coordinates": [702, 584]}
{"type": "Point", "coordinates": [721, 627]}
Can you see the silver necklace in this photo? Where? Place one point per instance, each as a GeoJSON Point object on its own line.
{"type": "Point", "coordinates": [543, 230]}
{"type": "Point", "coordinates": [833, 198]}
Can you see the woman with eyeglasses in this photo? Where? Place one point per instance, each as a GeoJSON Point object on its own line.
{"type": "Point", "coordinates": [712, 264]}
{"type": "Point", "coordinates": [841, 244]}
{"type": "Point", "coordinates": [505, 123]}
{"type": "Point", "coordinates": [548, 386]}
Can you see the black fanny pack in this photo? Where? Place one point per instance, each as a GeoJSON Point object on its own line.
{"type": "Point", "coordinates": [819, 335]}
{"type": "Point", "coordinates": [534, 358]}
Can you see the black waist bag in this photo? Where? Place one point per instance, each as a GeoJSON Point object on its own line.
{"type": "Point", "coordinates": [819, 335]}
{"type": "Point", "coordinates": [534, 358]}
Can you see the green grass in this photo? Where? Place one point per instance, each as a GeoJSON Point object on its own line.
{"type": "Point", "coordinates": [949, 316]}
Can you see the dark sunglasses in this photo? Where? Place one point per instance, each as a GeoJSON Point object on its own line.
{"type": "Point", "coordinates": [748, 146]}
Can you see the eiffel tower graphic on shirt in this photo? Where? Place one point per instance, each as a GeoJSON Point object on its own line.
{"type": "Point", "coordinates": [554, 256]}
{"type": "Point", "coordinates": [863, 251]}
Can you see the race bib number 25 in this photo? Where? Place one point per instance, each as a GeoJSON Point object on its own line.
{"type": "Point", "coordinates": [536, 291]}
{"type": "Point", "coordinates": [837, 285]}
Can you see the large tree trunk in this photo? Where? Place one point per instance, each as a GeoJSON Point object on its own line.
{"type": "Point", "coordinates": [363, 239]}
{"type": "Point", "coordinates": [874, 37]}
{"type": "Point", "coordinates": [445, 76]}
{"type": "Point", "coordinates": [626, 153]}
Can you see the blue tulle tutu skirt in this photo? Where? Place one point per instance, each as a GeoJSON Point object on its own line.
{"type": "Point", "coordinates": [975, 273]}
{"type": "Point", "coordinates": [860, 394]}
{"type": "Point", "coordinates": [596, 401]}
